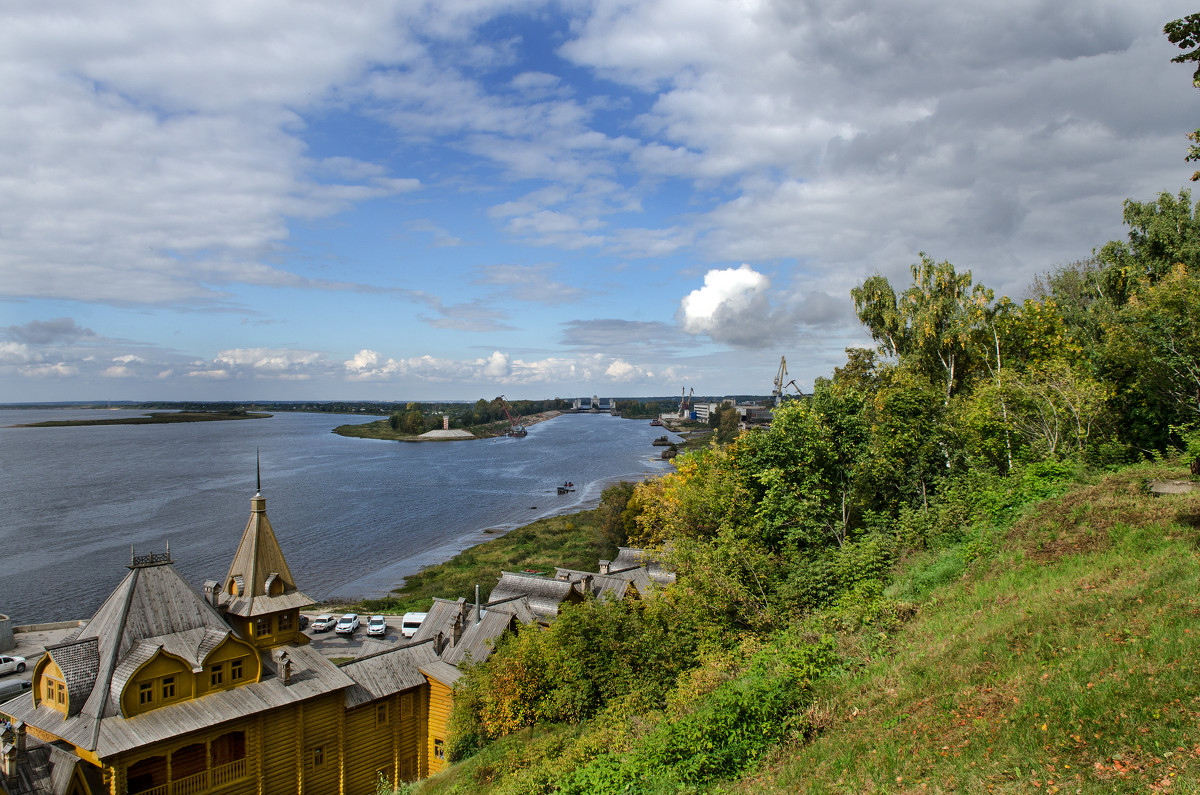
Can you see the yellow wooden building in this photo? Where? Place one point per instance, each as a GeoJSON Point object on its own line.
{"type": "Point", "coordinates": [170, 691]}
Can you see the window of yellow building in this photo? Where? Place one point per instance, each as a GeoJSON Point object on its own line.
{"type": "Point", "coordinates": [168, 687]}
{"type": "Point", "coordinates": [62, 693]}
{"type": "Point", "coordinates": [235, 670]}
{"type": "Point", "coordinates": [318, 755]}
{"type": "Point", "coordinates": [146, 693]}
{"type": "Point", "coordinates": [381, 714]}
{"type": "Point", "coordinates": [439, 749]}
{"type": "Point", "coordinates": [262, 626]}
{"type": "Point", "coordinates": [216, 675]}
{"type": "Point", "coordinates": [285, 622]}
{"type": "Point", "coordinates": [406, 706]}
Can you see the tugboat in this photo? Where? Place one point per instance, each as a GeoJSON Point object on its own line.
{"type": "Point", "coordinates": [566, 488]}
{"type": "Point", "coordinates": [656, 423]}
{"type": "Point", "coordinates": [661, 441]}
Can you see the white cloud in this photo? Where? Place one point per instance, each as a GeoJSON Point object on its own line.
{"type": "Point", "coordinates": [732, 308]}
{"type": "Point", "coordinates": [17, 353]}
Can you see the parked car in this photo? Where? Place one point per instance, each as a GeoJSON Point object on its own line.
{"type": "Point", "coordinates": [13, 688]}
{"type": "Point", "coordinates": [303, 622]}
{"type": "Point", "coordinates": [377, 626]}
{"type": "Point", "coordinates": [10, 665]}
{"type": "Point", "coordinates": [323, 623]}
{"type": "Point", "coordinates": [411, 623]}
{"type": "Point", "coordinates": [347, 624]}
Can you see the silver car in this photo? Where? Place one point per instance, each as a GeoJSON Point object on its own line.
{"type": "Point", "coordinates": [347, 624]}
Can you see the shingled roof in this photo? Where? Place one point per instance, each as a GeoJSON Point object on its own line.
{"type": "Point", "coordinates": [387, 672]}
{"type": "Point", "coordinates": [545, 595]}
{"type": "Point", "coordinates": [632, 557]}
{"type": "Point", "coordinates": [264, 582]}
{"type": "Point", "coordinates": [443, 616]}
{"type": "Point", "coordinates": [479, 637]}
{"type": "Point", "coordinates": [598, 585]}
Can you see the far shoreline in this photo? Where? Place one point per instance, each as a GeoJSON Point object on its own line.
{"type": "Point", "coordinates": [367, 430]}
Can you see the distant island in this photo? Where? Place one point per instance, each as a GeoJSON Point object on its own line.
{"type": "Point", "coordinates": [154, 419]}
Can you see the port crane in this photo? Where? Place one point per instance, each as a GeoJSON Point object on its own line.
{"type": "Point", "coordinates": [514, 422]}
{"type": "Point", "coordinates": [781, 382]}
{"type": "Point", "coordinates": [685, 402]}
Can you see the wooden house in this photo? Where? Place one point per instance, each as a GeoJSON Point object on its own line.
{"type": "Point", "coordinates": [168, 691]}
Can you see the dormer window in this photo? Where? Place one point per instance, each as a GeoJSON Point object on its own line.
{"type": "Point", "coordinates": [237, 585]}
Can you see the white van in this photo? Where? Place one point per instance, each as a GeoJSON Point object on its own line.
{"type": "Point", "coordinates": [411, 623]}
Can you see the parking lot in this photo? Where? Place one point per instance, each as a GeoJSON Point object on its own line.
{"type": "Point", "coordinates": [335, 646]}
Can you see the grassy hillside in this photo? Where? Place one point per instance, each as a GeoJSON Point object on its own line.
{"type": "Point", "coordinates": [1053, 652]}
{"type": "Point", "coordinates": [1066, 659]}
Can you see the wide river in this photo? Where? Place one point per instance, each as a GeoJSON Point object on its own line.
{"type": "Point", "coordinates": [354, 516]}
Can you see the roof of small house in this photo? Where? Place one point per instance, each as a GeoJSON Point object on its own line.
{"type": "Point", "coordinates": [517, 604]}
{"type": "Point", "coordinates": [441, 619]}
{"type": "Point", "coordinates": [387, 672]}
{"type": "Point", "coordinates": [48, 768]}
{"type": "Point", "coordinates": [598, 585]}
{"type": "Point", "coordinates": [632, 557]}
{"type": "Point", "coordinates": [545, 595]}
{"type": "Point", "coordinates": [479, 637]}
{"type": "Point", "coordinates": [441, 672]}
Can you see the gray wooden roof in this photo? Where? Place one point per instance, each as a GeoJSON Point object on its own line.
{"type": "Point", "coordinates": [46, 769]}
{"type": "Point", "coordinates": [630, 557]}
{"type": "Point", "coordinates": [265, 582]}
{"type": "Point", "coordinates": [442, 672]}
{"type": "Point", "coordinates": [545, 595]}
{"type": "Point", "coordinates": [517, 605]}
{"type": "Point", "coordinates": [598, 585]}
{"type": "Point", "coordinates": [441, 618]}
{"type": "Point", "coordinates": [479, 637]}
{"type": "Point", "coordinates": [387, 673]}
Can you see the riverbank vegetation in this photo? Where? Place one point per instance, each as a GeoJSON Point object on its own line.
{"type": "Point", "coordinates": [575, 541]}
{"type": "Point", "coordinates": [942, 571]}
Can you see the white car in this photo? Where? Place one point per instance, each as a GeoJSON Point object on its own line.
{"type": "Point", "coordinates": [323, 623]}
{"type": "Point", "coordinates": [347, 624]}
{"type": "Point", "coordinates": [411, 623]}
{"type": "Point", "coordinates": [10, 665]}
{"type": "Point", "coordinates": [377, 626]}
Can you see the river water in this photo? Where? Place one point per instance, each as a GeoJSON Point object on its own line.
{"type": "Point", "coordinates": [353, 516]}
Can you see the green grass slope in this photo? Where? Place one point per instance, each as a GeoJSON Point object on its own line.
{"type": "Point", "coordinates": [1067, 659]}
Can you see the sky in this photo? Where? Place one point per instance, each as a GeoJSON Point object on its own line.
{"type": "Point", "coordinates": [457, 199]}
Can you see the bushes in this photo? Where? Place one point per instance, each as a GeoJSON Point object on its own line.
{"type": "Point", "coordinates": [718, 736]}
